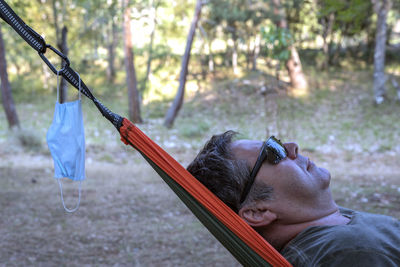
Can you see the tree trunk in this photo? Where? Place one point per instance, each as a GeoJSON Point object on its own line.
{"type": "Point", "coordinates": [95, 48]}
{"type": "Point", "coordinates": [178, 101]}
{"type": "Point", "coordinates": [334, 59]}
{"type": "Point", "coordinates": [61, 40]}
{"type": "Point", "coordinates": [133, 93]}
{"type": "Point", "coordinates": [63, 49]}
{"type": "Point", "coordinates": [293, 65]}
{"type": "Point", "coordinates": [382, 8]}
{"type": "Point", "coordinates": [277, 73]}
{"type": "Point", "coordinates": [154, 7]}
{"type": "Point", "coordinates": [211, 63]}
{"type": "Point", "coordinates": [6, 95]}
{"type": "Point", "coordinates": [249, 52]}
{"type": "Point", "coordinates": [327, 30]}
{"type": "Point", "coordinates": [235, 54]}
{"type": "Point", "coordinates": [208, 40]}
{"type": "Point", "coordinates": [256, 52]}
{"type": "Point", "coordinates": [370, 40]}
{"type": "Point", "coordinates": [203, 60]}
{"type": "Point", "coordinates": [112, 43]}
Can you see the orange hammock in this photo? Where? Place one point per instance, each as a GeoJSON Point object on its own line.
{"type": "Point", "coordinates": [165, 165]}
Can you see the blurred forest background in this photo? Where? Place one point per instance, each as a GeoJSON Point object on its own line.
{"type": "Point", "coordinates": [324, 73]}
{"type": "Point", "coordinates": [136, 50]}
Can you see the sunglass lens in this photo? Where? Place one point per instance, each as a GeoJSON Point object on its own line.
{"type": "Point", "coordinates": [275, 151]}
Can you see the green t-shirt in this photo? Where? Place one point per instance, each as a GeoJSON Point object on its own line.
{"type": "Point", "coordinates": [367, 240]}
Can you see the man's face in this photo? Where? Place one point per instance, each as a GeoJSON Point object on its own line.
{"type": "Point", "coordinates": [301, 188]}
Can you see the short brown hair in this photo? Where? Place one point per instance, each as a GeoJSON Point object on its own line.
{"type": "Point", "coordinates": [216, 167]}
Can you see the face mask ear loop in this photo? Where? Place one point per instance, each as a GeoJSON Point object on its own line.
{"type": "Point", "coordinates": [62, 198]}
{"type": "Point", "coordinates": [80, 86]}
{"type": "Point", "coordinates": [58, 87]}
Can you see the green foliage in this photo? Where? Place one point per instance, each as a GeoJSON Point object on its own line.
{"type": "Point", "coordinates": [351, 16]}
{"type": "Point", "coordinates": [236, 19]}
{"type": "Point", "coordinates": [223, 21]}
{"type": "Point", "coordinates": [230, 12]}
{"type": "Point", "coordinates": [277, 41]}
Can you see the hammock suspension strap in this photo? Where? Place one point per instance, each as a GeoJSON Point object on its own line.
{"type": "Point", "coordinates": [38, 43]}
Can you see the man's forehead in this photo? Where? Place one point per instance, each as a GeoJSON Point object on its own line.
{"type": "Point", "coordinates": [246, 149]}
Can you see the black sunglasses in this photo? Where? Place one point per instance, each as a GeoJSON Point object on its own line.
{"type": "Point", "coordinates": [273, 151]}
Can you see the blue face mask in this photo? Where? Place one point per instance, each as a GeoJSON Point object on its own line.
{"type": "Point", "coordinates": [66, 142]}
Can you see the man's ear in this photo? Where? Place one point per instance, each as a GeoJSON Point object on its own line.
{"type": "Point", "coordinates": [257, 215]}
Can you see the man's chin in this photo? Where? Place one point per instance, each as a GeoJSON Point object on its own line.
{"type": "Point", "coordinates": [325, 177]}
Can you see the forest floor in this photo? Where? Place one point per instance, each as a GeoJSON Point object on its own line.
{"type": "Point", "coordinates": [128, 216]}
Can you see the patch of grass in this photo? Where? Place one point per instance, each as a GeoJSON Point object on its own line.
{"type": "Point", "coordinates": [29, 139]}
{"type": "Point", "coordinates": [107, 158]}
{"type": "Point", "coordinates": [194, 130]}
{"type": "Point", "coordinates": [156, 109]}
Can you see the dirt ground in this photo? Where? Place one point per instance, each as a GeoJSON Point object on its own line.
{"type": "Point", "coordinates": [129, 217]}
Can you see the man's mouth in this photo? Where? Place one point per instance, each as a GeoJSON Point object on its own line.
{"type": "Point", "coordinates": [309, 162]}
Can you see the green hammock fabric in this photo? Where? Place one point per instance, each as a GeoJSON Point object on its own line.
{"type": "Point", "coordinates": [240, 250]}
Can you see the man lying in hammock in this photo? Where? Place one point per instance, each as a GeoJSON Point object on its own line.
{"type": "Point", "coordinates": [286, 198]}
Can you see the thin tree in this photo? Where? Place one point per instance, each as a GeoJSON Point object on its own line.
{"type": "Point", "coordinates": [63, 45]}
{"type": "Point", "coordinates": [153, 21]}
{"type": "Point", "coordinates": [131, 81]}
{"type": "Point", "coordinates": [327, 25]}
{"type": "Point", "coordinates": [235, 53]}
{"type": "Point", "coordinates": [178, 101]}
{"type": "Point", "coordinates": [111, 45]}
{"type": "Point", "coordinates": [381, 8]}
{"type": "Point", "coordinates": [256, 52]}
{"type": "Point", "coordinates": [111, 39]}
{"type": "Point", "coordinates": [61, 39]}
{"type": "Point", "coordinates": [207, 38]}
{"type": "Point", "coordinates": [6, 95]}
{"type": "Point", "coordinates": [293, 64]}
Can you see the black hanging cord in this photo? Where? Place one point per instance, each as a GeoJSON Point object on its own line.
{"type": "Point", "coordinates": [39, 44]}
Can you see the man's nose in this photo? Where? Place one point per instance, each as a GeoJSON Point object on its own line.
{"type": "Point", "coordinates": [292, 150]}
